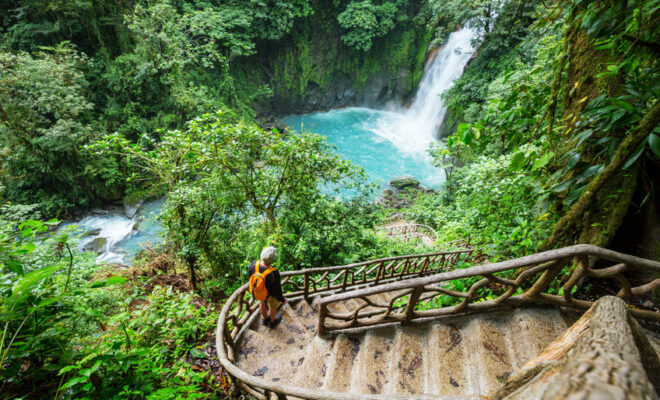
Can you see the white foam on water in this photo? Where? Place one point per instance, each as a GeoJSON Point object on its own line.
{"type": "Point", "coordinates": [114, 227]}
{"type": "Point", "coordinates": [123, 239]}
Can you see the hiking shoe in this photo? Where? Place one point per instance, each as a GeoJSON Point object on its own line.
{"type": "Point", "coordinates": [273, 324]}
{"type": "Point", "coordinates": [265, 322]}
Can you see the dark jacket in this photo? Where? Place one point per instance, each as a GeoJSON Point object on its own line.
{"type": "Point", "coordinates": [273, 284]}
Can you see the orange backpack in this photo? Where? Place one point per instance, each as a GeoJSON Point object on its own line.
{"type": "Point", "coordinates": [258, 283]}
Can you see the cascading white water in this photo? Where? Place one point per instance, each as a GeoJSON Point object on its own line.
{"type": "Point", "coordinates": [114, 227]}
{"type": "Point", "coordinates": [414, 128]}
{"type": "Point", "coordinates": [114, 236]}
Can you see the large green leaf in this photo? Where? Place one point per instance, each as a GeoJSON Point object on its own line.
{"type": "Point", "coordinates": [517, 161]}
{"type": "Point", "coordinates": [197, 353]}
{"type": "Point", "coordinates": [74, 381]}
{"type": "Point", "coordinates": [573, 160]}
{"type": "Point", "coordinates": [654, 144]}
{"type": "Point", "coordinates": [574, 194]}
{"type": "Point", "coordinates": [14, 266]}
{"type": "Point", "coordinates": [543, 161]}
{"type": "Point", "coordinates": [113, 280]}
{"type": "Point", "coordinates": [635, 156]}
{"type": "Point", "coordinates": [23, 287]}
{"type": "Point", "coordinates": [560, 187]}
{"type": "Point", "coordinates": [589, 172]}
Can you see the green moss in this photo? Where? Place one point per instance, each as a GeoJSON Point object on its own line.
{"type": "Point", "coordinates": [419, 60]}
{"type": "Point", "coordinates": [134, 195]}
{"type": "Point", "coordinates": [320, 59]}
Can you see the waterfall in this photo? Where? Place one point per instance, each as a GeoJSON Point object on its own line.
{"type": "Point", "coordinates": [388, 143]}
{"type": "Point", "coordinates": [394, 142]}
{"type": "Point", "coordinates": [413, 129]}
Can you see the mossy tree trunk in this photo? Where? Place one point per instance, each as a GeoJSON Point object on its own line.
{"type": "Point", "coordinates": [600, 211]}
{"type": "Point", "coordinates": [596, 216]}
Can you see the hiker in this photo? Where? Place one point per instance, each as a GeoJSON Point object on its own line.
{"type": "Point", "coordinates": [266, 287]}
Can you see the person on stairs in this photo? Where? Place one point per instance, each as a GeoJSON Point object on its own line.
{"type": "Point", "coordinates": [266, 287]}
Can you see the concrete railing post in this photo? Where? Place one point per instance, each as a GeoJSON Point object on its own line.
{"type": "Point", "coordinates": [306, 285]}
{"type": "Point", "coordinates": [412, 303]}
{"type": "Point", "coordinates": [320, 326]}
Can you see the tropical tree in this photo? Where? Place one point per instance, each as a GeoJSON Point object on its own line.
{"type": "Point", "coordinates": [221, 174]}
{"type": "Point", "coordinates": [364, 21]}
{"type": "Point", "coordinates": [44, 119]}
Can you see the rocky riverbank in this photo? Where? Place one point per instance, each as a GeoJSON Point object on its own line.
{"type": "Point", "coordinates": [402, 192]}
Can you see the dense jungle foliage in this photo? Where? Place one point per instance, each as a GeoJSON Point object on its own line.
{"type": "Point", "coordinates": [555, 140]}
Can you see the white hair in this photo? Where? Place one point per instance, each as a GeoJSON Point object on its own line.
{"type": "Point", "coordinates": [268, 255]}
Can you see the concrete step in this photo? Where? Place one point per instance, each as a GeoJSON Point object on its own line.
{"type": "Point", "coordinates": [306, 315]}
{"type": "Point", "coordinates": [407, 367]}
{"type": "Point", "coordinates": [446, 356]}
{"type": "Point", "coordinates": [314, 368]}
{"type": "Point", "coordinates": [461, 357]}
{"type": "Point", "coordinates": [266, 357]}
{"type": "Point", "coordinates": [340, 365]}
{"type": "Point", "coordinates": [490, 357]}
{"type": "Point", "coordinates": [371, 372]}
{"type": "Point", "coordinates": [290, 316]}
{"type": "Point", "coordinates": [289, 331]}
{"type": "Point", "coordinates": [534, 329]}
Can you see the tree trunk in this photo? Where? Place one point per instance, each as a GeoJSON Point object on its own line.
{"type": "Point", "coordinates": [576, 225]}
{"type": "Point", "coordinates": [600, 211]}
{"type": "Point", "coordinates": [189, 258]}
{"type": "Point", "coordinates": [272, 221]}
{"type": "Point", "coordinates": [610, 357]}
{"type": "Point", "coordinates": [190, 263]}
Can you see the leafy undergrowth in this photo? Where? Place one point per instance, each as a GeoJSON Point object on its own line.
{"type": "Point", "coordinates": [159, 343]}
{"type": "Point", "coordinates": [72, 331]}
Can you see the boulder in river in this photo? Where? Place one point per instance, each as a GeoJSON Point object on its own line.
{"type": "Point", "coordinates": [97, 245]}
{"type": "Point", "coordinates": [131, 208]}
{"type": "Point", "coordinates": [404, 182]}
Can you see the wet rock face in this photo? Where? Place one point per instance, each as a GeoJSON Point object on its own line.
{"type": "Point", "coordinates": [130, 209]}
{"type": "Point", "coordinates": [379, 89]}
{"type": "Point", "coordinates": [448, 126]}
{"type": "Point", "coordinates": [93, 232]}
{"type": "Point", "coordinates": [270, 123]}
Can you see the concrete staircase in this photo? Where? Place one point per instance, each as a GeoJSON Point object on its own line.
{"type": "Point", "coordinates": [466, 357]}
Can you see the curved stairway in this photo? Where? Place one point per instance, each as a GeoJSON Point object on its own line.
{"type": "Point", "coordinates": [467, 356]}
